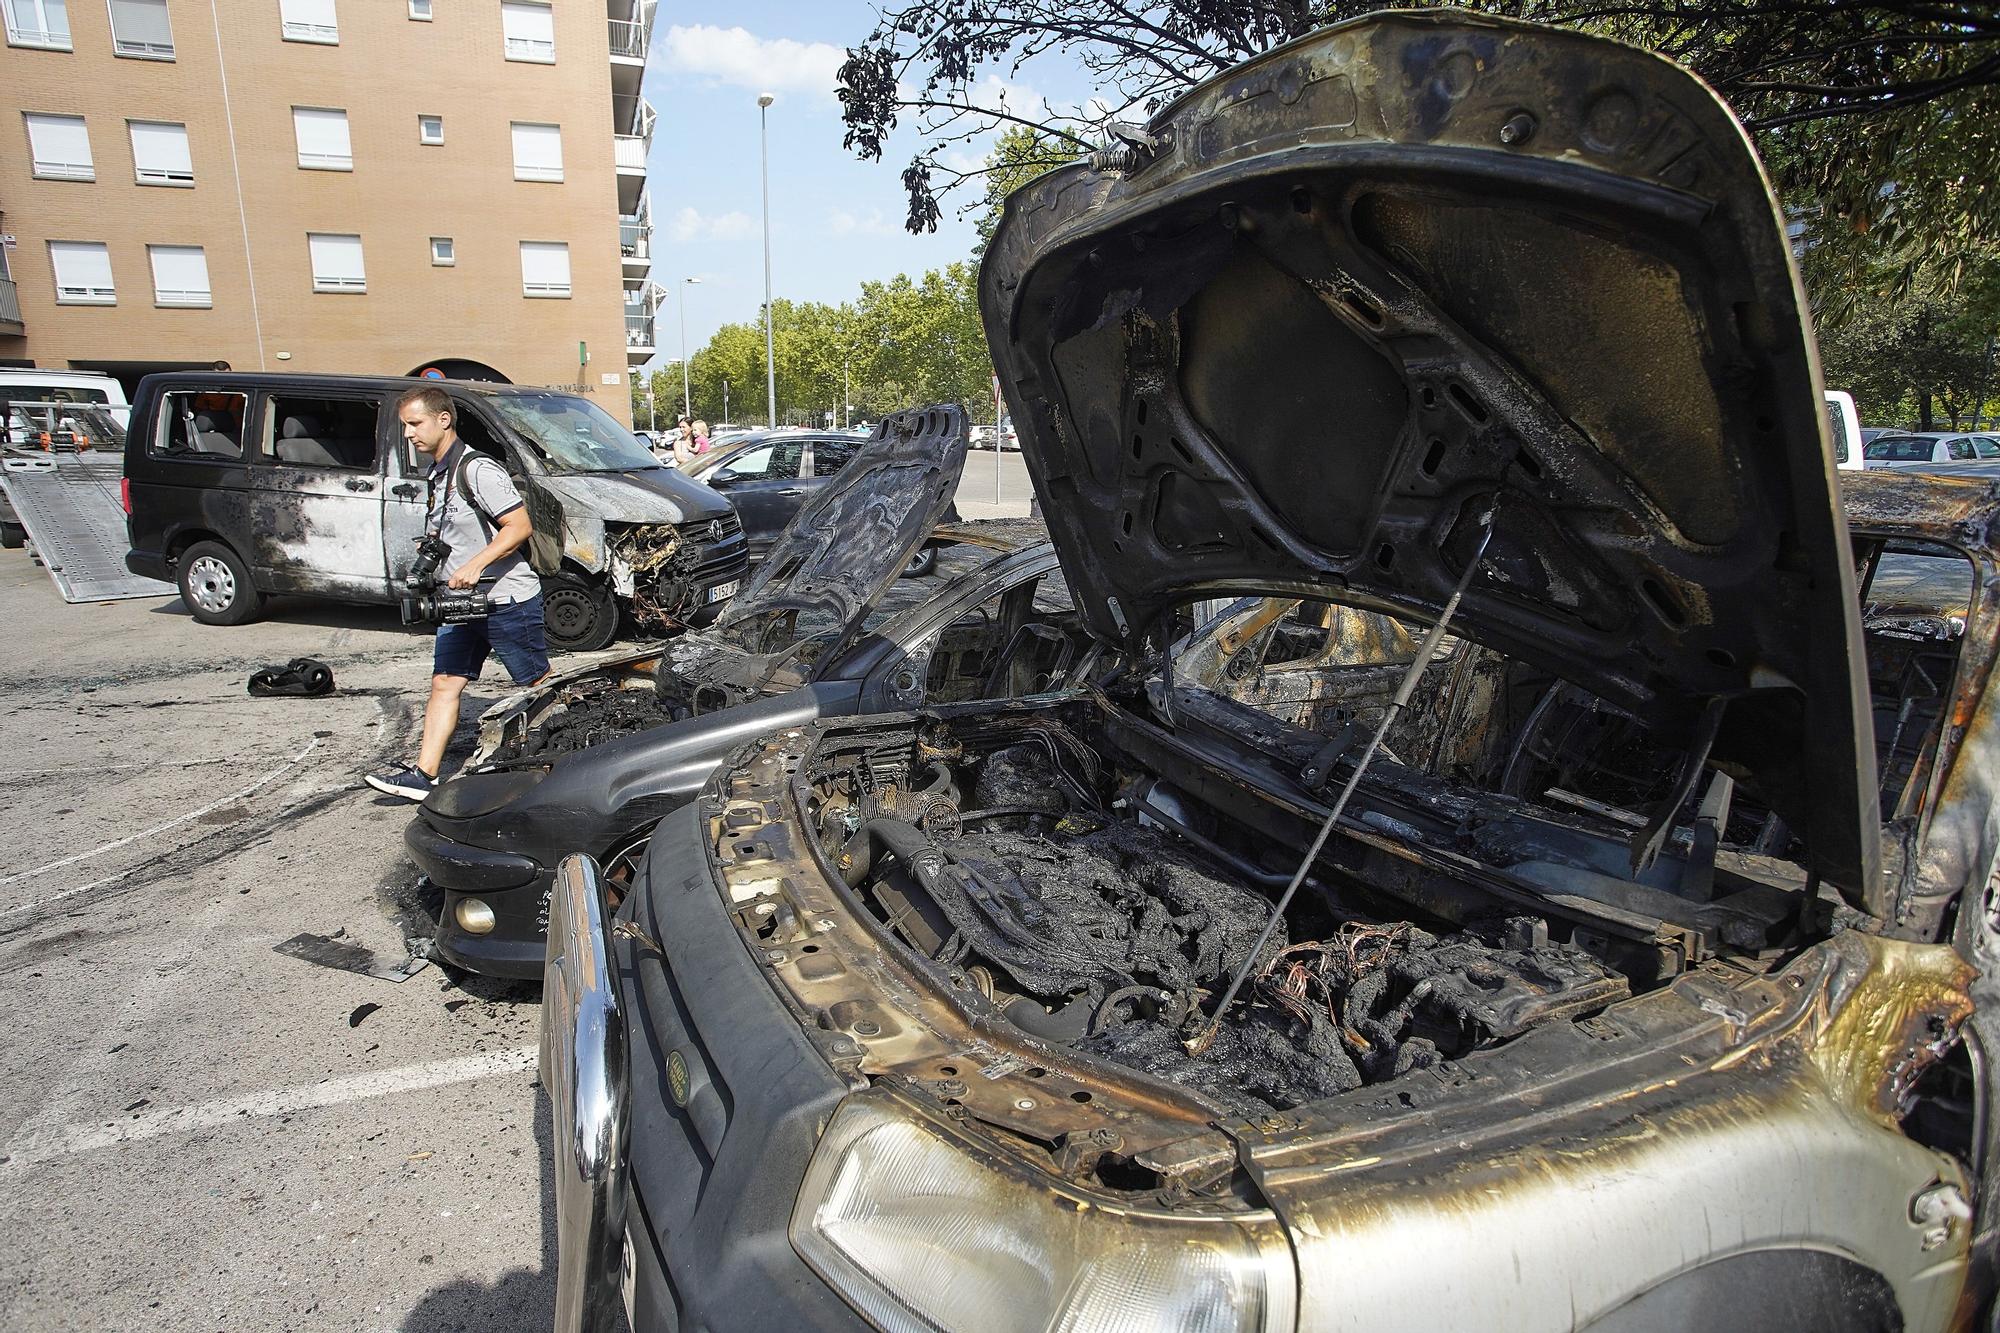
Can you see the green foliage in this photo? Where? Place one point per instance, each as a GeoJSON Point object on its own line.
{"type": "Point", "coordinates": [900, 343]}
{"type": "Point", "coordinates": [1918, 359]}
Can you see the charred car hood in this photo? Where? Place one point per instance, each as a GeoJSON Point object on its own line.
{"type": "Point", "coordinates": [1307, 326]}
{"type": "Point", "coordinates": [854, 538]}
{"type": "Point", "coordinates": [654, 495]}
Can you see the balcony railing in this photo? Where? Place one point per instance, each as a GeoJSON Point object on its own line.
{"type": "Point", "coordinates": [635, 237]}
{"type": "Point", "coordinates": [10, 302]}
{"type": "Point", "coordinates": [628, 152]}
{"type": "Point", "coordinates": [629, 38]}
{"type": "Point", "coordinates": [633, 114]}
{"type": "Point", "coordinates": [638, 330]}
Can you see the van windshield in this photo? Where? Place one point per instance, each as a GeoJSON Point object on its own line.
{"type": "Point", "coordinates": [576, 435]}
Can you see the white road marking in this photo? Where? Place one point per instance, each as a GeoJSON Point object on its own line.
{"type": "Point", "coordinates": [33, 1145]}
{"type": "Point", "coordinates": [264, 781]}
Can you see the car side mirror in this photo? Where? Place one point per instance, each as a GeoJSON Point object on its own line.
{"type": "Point", "coordinates": [721, 477]}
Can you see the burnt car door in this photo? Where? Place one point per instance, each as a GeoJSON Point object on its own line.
{"type": "Point", "coordinates": [766, 486]}
{"type": "Point", "coordinates": [316, 494]}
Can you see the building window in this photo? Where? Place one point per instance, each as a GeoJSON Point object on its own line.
{"type": "Point", "coordinates": [544, 268]}
{"type": "Point", "coordinates": [309, 21]}
{"type": "Point", "coordinates": [60, 148]}
{"type": "Point", "coordinates": [43, 23]}
{"type": "Point", "coordinates": [441, 252]}
{"type": "Point", "coordinates": [323, 141]}
{"type": "Point", "coordinates": [430, 129]}
{"type": "Point", "coordinates": [180, 275]}
{"type": "Point", "coordinates": [530, 31]}
{"type": "Point", "coordinates": [83, 273]}
{"type": "Point", "coordinates": [160, 153]}
{"type": "Point", "coordinates": [537, 152]}
{"type": "Point", "coordinates": [420, 10]}
{"type": "Point", "coordinates": [336, 262]}
{"type": "Point", "coordinates": [140, 28]}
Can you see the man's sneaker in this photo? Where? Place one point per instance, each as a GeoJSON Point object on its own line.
{"type": "Point", "coordinates": [412, 783]}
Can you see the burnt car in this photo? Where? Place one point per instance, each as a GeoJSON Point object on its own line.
{"type": "Point", "coordinates": [593, 759]}
{"type": "Point", "coordinates": [1604, 948]}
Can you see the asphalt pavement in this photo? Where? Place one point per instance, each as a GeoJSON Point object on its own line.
{"type": "Point", "coordinates": [197, 1131]}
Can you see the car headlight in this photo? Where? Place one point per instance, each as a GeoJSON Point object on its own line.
{"type": "Point", "coordinates": [922, 1232]}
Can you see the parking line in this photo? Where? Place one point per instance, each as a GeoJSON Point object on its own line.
{"type": "Point", "coordinates": [32, 1146]}
{"type": "Point", "coordinates": [264, 781]}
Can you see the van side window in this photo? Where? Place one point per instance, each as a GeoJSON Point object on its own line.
{"type": "Point", "coordinates": [202, 424]}
{"type": "Point", "coordinates": [320, 432]}
{"type": "Point", "coordinates": [473, 430]}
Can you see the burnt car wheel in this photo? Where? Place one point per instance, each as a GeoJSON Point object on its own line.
{"type": "Point", "coordinates": [579, 617]}
{"type": "Point", "coordinates": [215, 584]}
{"type": "Point", "coordinates": [922, 563]}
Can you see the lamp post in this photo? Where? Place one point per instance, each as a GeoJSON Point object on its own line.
{"type": "Point", "coordinates": [687, 397]}
{"type": "Point", "coordinates": [764, 101]}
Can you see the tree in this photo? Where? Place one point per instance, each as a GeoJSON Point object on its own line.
{"type": "Point", "coordinates": [1874, 117]}
{"type": "Point", "coordinates": [1920, 357]}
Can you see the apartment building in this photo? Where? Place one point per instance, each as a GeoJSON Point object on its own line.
{"type": "Point", "coordinates": [357, 186]}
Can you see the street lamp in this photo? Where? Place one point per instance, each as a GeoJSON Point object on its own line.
{"type": "Point", "coordinates": [687, 396]}
{"type": "Point", "coordinates": [764, 101]}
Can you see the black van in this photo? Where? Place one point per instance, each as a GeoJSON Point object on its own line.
{"type": "Point", "coordinates": [242, 485]}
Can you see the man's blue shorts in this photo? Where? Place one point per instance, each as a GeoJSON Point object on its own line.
{"type": "Point", "coordinates": [513, 633]}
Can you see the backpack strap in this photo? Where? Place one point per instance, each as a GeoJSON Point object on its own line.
{"type": "Point", "coordinates": [459, 469]}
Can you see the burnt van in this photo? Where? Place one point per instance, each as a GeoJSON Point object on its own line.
{"type": "Point", "coordinates": [240, 486]}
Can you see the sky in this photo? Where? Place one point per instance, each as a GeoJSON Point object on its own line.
{"type": "Point", "coordinates": [836, 221]}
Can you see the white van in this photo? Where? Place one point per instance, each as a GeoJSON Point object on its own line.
{"type": "Point", "coordinates": [1844, 424]}
{"type": "Point", "coordinates": [66, 386]}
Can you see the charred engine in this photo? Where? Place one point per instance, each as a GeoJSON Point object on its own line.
{"type": "Point", "coordinates": [1085, 904]}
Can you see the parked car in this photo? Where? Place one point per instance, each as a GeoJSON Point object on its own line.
{"type": "Point", "coordinates": [1612, 949]}
{"type": "Point", "coordinates": [1938, 446]}
{"type": "Point", "coordinates": [592, 759]}
{"type": "Point", "coordinates": [769, 476]}
{"type": "Point", "coordinates": [240, 486]}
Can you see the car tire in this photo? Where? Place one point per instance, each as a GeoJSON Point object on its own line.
{"type": "Point", "coordinates": [578, 616]}
{"type": "Point", "coordinates": [922, 563]}
{"type": "Point", "coordinates": [215, 585]}
{"type": "Point", "coordinates": [13, 536]}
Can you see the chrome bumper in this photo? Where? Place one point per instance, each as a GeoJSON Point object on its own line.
{"type": "Point", "coordinates": [585, 1070]}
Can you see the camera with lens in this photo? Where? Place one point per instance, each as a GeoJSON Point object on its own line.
{"type": "Point", "coordinates": [434, 602]}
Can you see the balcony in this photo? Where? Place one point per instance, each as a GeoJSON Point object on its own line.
{"type": "Point", "coordinates": [639, 338]}
{"type": "Point", "coordinates": [635, 245]}
{"type": "Point", "coordinates": [10, 309]}
{"type": "Point", "coordinates": [629, 41]}
{"type": "Point", "coordinates": [628, 155]}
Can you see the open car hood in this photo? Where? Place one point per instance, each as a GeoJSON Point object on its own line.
{"type": "Point", "coordinates": [1305, 328]}
{"type": "Point", "coordinates": [854, 538]}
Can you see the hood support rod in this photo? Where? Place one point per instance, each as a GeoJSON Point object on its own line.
{"type": "Point", "coordinates": [1201, 1037]}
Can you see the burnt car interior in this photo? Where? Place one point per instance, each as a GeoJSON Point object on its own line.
{"type": "Point", "coordinates": [1522, 852]}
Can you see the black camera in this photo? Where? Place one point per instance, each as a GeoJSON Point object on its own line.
{"type": "Point", "coordinates": [435, 604]}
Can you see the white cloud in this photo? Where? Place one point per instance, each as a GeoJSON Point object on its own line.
{"type": "Point", "coordinates": [688, 224]}
{"type": "Point", "coordinates": [741, 59]}
{"type": "Point", "coordinates": [840, 222]}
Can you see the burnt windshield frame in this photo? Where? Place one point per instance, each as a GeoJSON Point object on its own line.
{"type": "Point", "coordinates": [572, 434]}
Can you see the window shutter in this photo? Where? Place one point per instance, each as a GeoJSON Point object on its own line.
{"type": "Point", "coordinates": [83, 270]}
{"type": "Point", "coordinates": [180, 274]}
{"type": "Point", "coordinates": [336, 263]}
{"type": "Point", "coordinates": [545, 268]}
{"type": "Point", "coordinates": [322, 136]}
{"type": "Point", "coordinates": [530, 31]}
{"type": "Point", "coordinates": [537, 152]}
{"type": "Point", "coordinates": [309, 20]}
{"type": "Point", "coordinates": [61, 147]}
{"type": "Point", "coordinates": [140, 27]}
{"type": "Point", "coordinates": [160, 151]}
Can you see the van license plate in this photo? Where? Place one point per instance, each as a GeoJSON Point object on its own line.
{"type": "Point", "coordinates": [722, 590]}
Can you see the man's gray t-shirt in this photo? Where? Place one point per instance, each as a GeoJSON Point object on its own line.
{"type": "Point", "coordinates": [493, 494]}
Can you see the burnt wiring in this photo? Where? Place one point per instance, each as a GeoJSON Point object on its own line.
{"type": "Point", "coordinates": [663, 567]}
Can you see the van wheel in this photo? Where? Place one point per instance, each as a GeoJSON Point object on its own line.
{"type": "Point", "coordinates": [216, 585]}
{"type": "Point", "coordinates": [579, 617]}
{"type": "Point", "coordinates": [13, 536]}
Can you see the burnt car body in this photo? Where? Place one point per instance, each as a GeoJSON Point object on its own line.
{"type": "Point", "coordinates": [243, 485]}
{"type": "Point", "coordinates": [593, 760]}
{"type": "Point", "coordinates": [1631, 971]}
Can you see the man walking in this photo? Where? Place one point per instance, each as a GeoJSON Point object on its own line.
{"type": "Point", "coordinates": [475, 510]}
